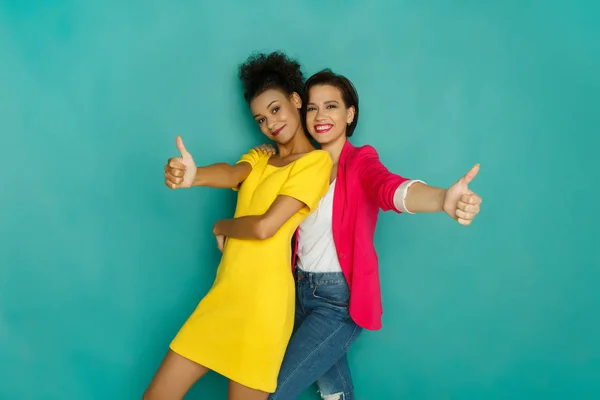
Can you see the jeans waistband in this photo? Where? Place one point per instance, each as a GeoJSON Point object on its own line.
{"type": "Point", "coordinates": [319, 277]}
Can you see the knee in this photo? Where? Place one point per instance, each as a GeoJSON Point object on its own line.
{"type": "Point", "coordinates": [334, 396]}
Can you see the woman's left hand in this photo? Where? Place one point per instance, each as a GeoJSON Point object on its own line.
{"type": "Point", "coordinates": [460, 203]}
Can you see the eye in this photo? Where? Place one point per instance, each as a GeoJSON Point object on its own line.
{"type": "Point", "coordinates": [311, 108]}
{"type": "Point", "coordinates": [331, 106]}
{"type": "Point", "coordinates": [260, 121]}
{"type": "Point", "coordinates": [274, 111]}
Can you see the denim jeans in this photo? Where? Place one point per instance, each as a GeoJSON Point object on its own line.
{"type": "Point", "coordinates": [323, 333]}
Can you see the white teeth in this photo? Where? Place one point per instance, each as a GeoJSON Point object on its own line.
{"type": "Point", "coordinates": [323, 128]}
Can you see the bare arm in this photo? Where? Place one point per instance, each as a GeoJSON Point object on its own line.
{"type": "Point", "coordinates": [458, 201]}
{"type": "Point", "coordinates": [390, 189]}
{"type": "Point", "coordinates": [182, 172]}
{"type": "Point", "coordinates": [222, 175]}
{"type": "Point", "coordinates": [263, 226]}
{"type": "Point", "coordinates": [421, 198]}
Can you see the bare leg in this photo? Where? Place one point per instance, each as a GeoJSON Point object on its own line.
{"type": "Point", "coordinates": [174, 378]}
{"type": "Point", "coordinates": [238, 391]}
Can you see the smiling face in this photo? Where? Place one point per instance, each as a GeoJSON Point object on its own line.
{"type": "Point", "coordinates": [327, 116]}
{"type": "Point", "coordinates": [277, 114]}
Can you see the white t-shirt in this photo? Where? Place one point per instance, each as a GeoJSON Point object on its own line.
{"type": "Point", "coordinates": [316, 248]}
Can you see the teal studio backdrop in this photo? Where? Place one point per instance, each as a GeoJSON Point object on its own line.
{"type": "Point", "coordinates": [101, 263]}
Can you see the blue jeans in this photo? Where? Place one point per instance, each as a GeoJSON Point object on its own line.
{"type": "Point", "coordinates": [323, 333]}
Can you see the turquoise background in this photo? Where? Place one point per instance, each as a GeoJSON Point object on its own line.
{"type": "Point", "coordinates": [101, 263]}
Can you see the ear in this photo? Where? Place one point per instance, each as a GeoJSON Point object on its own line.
{"type": "Point", "coordinates": [350, 114]}
{"type": "Point", "coordinates": [296, 100]}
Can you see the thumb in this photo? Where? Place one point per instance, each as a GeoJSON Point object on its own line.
{"type": "Point", "coordinates": [182, 148]}
{"type": "Point", "coordinates": [471, 174]}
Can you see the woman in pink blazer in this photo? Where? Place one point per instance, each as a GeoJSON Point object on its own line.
{"type": "Point", "coordinates": [335, 263]}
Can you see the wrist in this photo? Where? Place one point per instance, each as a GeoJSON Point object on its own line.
{"type": "Point", "coordinates": [222, 227]}
{"type": "Point", "coordinates": [217, 228]}
{"type": "Point", "coordinates": [442, 199]}
{"type": "Point", "coordinates": [198, 181]}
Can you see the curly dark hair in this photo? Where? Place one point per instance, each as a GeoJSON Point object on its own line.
{"type": "Point", "coordinates": [276, 70]}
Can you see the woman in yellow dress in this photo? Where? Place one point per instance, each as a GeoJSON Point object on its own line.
{"type": "Point", "coordinates": [241, 328]}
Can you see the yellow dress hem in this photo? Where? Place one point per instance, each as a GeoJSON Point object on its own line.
{"type": "Point", "coordinates": [222, 371]}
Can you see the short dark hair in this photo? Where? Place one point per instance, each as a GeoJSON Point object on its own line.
{"type": "Point", "coordinates": [346, 88]}
{"type": "Point", "coordinates": [276, 70]}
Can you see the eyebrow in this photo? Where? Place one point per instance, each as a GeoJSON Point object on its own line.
{"type": "Point", "coordinates": [256, 115]}
{"type": "Point", "coordinates": [327, 102]}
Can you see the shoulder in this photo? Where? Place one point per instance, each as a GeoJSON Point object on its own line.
{"type": "Point", "coordinates": [252, 156]}
{"type": "Point", "coordinates": [362, 154]}
{"type": "Point", "coordinates": [257, 154]}
{"type": "Point", "coordinates": [365, 150]}
{"type": "Point", "coordinates": [318, 155]}
{"type": "Point", "coordinates": [315, 157]}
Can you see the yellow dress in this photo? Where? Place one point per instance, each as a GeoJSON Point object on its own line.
{"type": "Point", "coordinates": [241, 328]}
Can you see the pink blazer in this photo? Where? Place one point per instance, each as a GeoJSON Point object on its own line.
{"type": "Point", "coordinates": [364, 185]}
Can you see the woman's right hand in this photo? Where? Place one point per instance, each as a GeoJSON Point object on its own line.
{"type": "Point", "coordinates": [266, 149]}
{"type": "Point", "coordinates": [180, 172]}
{"type": "Point", "coordinates": [220, 242]}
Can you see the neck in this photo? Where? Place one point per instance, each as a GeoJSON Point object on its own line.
{"type": "Point", "coordinates": [335, 147]}
{"type": "Point", "coordinates": [298, 145]}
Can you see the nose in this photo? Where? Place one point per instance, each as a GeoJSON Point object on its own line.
{"type": "Point", "coordinates": [320, 115]}
{"type": "Point", "coordinates": [271, 123]}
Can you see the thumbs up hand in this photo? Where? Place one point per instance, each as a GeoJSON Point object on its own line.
{"type": "Point", "coordinates": [180, 171]}
{"type": "Point", "coordinates": [460, 203]}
